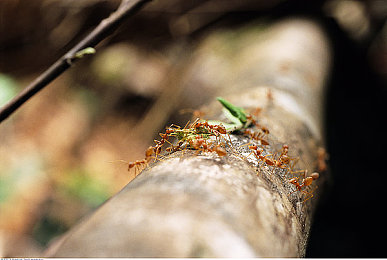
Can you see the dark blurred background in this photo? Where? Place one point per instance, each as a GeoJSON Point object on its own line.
{"type": "Point", "coordinates": [60, 153]}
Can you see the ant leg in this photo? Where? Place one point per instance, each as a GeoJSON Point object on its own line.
{"type": "Point", "coordinates": [294, 173]}
{"type": "Point", "coordinates": [173, 126]}
{"type": "Point", "coordinates": [252, 151]}
{"type": "Point", "coordinates": [309, 193]}
{"type": "Point", "coordinates": [268, 161]}
{"type": "Point", "coordinates": [157, 151]}
{"type": "Point", "coordinates": [169, 142]}
{"type": "Point", "coordinates": [153, 157]}
{"type": "Point", "coordinates": [185, 148]}
{"type": "Point", "coordinates": [123, 161]}
{"type": "Point", "coordinates": [165, 140]}
{"type": "Point", "coordinates": [246, 144]}
{"type": "Point", "coordinates": [295, 161]}
{"type": "Point", "coordinates": [306, 194]}
{"type": "Point", "coordinates": [232, 146]}
{"type": "Point", "coordinates": [229, 142]}
{"type": "Point", "coordinates": [135, 170]}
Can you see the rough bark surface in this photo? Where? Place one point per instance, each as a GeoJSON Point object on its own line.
{"type": "Point", "coordinates": [190, 205]}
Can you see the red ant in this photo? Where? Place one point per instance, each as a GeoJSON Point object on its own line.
{"type": "Point", "coordinates": [198, 144]}
{"type": "Point", "coordinates": [282, 162]}
{"type": "Point", "coordinates": [215, 129]}
{"type": "Point", "coordinates": [202, 145]}
{"type": "Point", "coordinates": [284, 159]}
{"type": "Point", "coordinates": [256, 136]}
{"type": "Point", "coordinates": [258, 155]}
{"type": "Point", "coordinates": [164, 138]}
{"type": "Point", "coordinates": [321, 157]}
{"type": "Point", "coordinates": [137, 164]}
{"type": "Point", "coordinates": [264, 129]}
{"type": "Point", "coordinates": [305, 182]}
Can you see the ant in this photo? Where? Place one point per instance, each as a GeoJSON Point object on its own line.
{"type": "Point", "coordinates": [284, 159]}
{"type": "Point", "coordinates": [321, 157]}
{"type": "Point", "coordinates": [201, 144]}
{"type": "Point", "coordinates": [256, 136]}
{"type": "Point", "coordinates": [217, 130]}
{"type": "Point", "coordinates": [139, 163]}
{"type": "Point", "coordinates": [164, 138]}
{"type": "Point", "coordinates": [214, 129]}
{"type": "Point", "coordinates": [259, 156]}
{"type": "Point", "coordinates": [305, 183]}
{"type": "Point", "coordinates": [264, 129]}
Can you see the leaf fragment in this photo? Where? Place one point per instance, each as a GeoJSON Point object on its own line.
{"type": "Point", "coordinates": [235, 111]}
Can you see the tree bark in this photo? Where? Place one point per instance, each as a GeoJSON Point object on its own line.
{"type": "Point", "coordinates": [190, 205]}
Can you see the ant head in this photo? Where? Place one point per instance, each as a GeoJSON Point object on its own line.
{"type": "Point", "coordinates": [169, 131]}
{"type": "Point", "coordinates": [253, 147]}
{"type": "Point", "coordinates": [131, 165]}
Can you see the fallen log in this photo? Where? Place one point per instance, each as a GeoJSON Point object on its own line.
{"type": "Point", "coordinates": [200, 204]}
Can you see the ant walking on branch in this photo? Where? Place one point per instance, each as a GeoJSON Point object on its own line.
{"type": "Point", "coordinates": [306, 181]}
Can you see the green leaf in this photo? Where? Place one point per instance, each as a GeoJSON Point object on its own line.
{"type": "Point", "coordinates": [236, 112]}
{"type": "Point", "coordinates": [83, 52]}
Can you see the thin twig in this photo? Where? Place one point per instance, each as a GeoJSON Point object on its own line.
{"type": "Point", "coordinates": [104, 29]}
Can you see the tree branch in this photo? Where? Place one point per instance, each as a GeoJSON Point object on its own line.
{"type": "Point", "coordinates": [105, 28]}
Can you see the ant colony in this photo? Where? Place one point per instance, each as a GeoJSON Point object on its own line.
{"type": "Point", "coordinates": [211, 136]}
